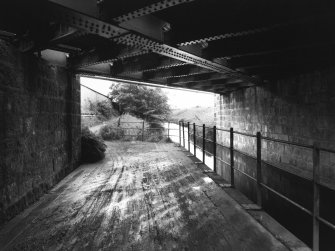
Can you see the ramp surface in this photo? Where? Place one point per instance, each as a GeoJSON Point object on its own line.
{"type": "Point", "coordinates": [143, 196]}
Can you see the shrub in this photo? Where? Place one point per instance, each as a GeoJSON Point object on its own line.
{"type": "Point", "coordinates": [92, 147]}
{"type": "Point", "coordinates": [107, 132]}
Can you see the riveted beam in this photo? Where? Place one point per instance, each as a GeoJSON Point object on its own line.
{"type": "Point", "coordinates": [197, 78]}
{"type": "Point", "coordinates": [146, 63]}
{"type": "Point", "coordinates": [104, 74]}
{"type": "Point", "coordinates": [158, 6]}
{"type": "Point", "coordinates": [98, 27]}
{"type": "Point", "coordinates": [295, 36]}
{"type": "Point", "coordinates": [83, 22]}
{"type": "Point", "coordinates": [181, 71]}
{"type": "Point", "coordinates": [230, 35]}
{"type": "Point", "coordinates": [166, 50]}
{"type": "Point", "coordinates": [104, 55]}
{"type": "Point", "coordinates": [243, 32]}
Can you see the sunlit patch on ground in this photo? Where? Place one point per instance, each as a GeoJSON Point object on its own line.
{"type": "Point", "coordinates": [143, 196]}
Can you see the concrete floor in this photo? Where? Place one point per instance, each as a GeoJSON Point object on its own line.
{"type": "Point", "coordinates": [143, 196]}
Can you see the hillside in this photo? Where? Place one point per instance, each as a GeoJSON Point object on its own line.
{"type": "Point", "coordinates": [198, 115]}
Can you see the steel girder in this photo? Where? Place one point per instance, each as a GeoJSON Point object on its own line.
{"type": "Point", "coordinates": [158, 6]}
{"type": "Point", "coordinates": [122, 36]}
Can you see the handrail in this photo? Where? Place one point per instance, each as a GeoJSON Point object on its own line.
{"type": "Point", "coordinates": [245, 154]}
{"type": "Point", "coordinates": [327, 150]}
{"type": "Point", "coordinates": [245, 134]}
{"type": "Point", "coordinates": [223, 161]}
{"type": "Point", "coordinates": [259, 163]}
{"type": "Point", "coordinates": [221, 129]}
{"type": "Point", "coordinates": [287, 199]}
{"type": "Point", "coordinates": [288, 142]}
{"type": "Point", "coordinates": [227, 147]}
{"type": "Point", "coordinates": [209, 153]}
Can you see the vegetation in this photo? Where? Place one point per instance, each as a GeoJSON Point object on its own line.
{"type": "Point", "coordinates": [129, 127]}
{"type": "Point", "coordinates": [198, 115]}
{"type": "Point", "coordinates": [104, 109]}
{"type": "Point", "coordinates": [92, 147]}
{"type": "Point", "coordinates": [141, 101]}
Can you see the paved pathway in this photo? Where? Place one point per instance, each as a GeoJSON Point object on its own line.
{"type": "Point", "coordinates": [143, 196]}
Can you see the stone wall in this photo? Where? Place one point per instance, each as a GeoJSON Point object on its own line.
{"type": "Point", "coordinates": [299, 109]}
{"type": "Point", "coordinates": [39, 128]}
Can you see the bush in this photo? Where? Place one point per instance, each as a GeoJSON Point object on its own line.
{"type": "Point", "coordinates": [92, 147]}
{"type": "Point", "coordinates": [131, 129]}
{"type": "Point", "coordinates": [154, 137]}
{"type": "Point", "coordinates": [107, 132]}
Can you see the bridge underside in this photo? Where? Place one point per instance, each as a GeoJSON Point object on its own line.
{"type": "Point", "coordinates": [208, 45]}
{"type": "Point", "coordinates": [272, 62]}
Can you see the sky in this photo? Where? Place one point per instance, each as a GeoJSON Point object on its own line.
{"type": "Point", "coordinates": [177, 98]}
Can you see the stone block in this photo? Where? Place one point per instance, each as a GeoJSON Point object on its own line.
{"type": "Point", "coordinates": [35, 123]}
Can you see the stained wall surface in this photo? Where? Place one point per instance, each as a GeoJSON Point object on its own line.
{"type": "Point", "coordinates": [298, 109]}
{"type": "Point", "coordinates": [39, 127]}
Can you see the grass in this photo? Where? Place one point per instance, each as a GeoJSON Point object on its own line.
{"type": "Point", "coordinates": [128, 127]}
{"type": "Point", "coordinates": [198, 115]}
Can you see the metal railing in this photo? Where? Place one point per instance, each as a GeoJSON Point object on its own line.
{"type": "Point", "coordinates": [143, 130]}
{"type": "Point", "coordinates": [315, 212]}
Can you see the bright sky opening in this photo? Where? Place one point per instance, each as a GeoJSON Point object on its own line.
{"type": "Point", "coordinates": [177, 98]}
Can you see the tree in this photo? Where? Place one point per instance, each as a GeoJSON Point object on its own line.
{"type": "Point", "coordinates": [141, 101]}
{"type": "Point", "coordinates": [105, 109]}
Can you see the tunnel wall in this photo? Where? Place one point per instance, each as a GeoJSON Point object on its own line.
{"type": "Point", "coordinates": [39, 128]}
{"type": "Point", "coordinates": [299, 109]}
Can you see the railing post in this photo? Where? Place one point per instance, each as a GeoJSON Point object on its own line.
{"type": "Point", "coordinates": [182, 124]}
{"type": "Point", "coordinates": [316, 196]}
{"type": "Point", "coordinates": [214, 148]}
{"type": "Point", "coordinates": [179, 134]}
{"type": "Point", "coordinates": [232, 171]}
{"type": "Point", "coordinates": [203, 143]}
{"type": "Point", "coordinates": [168, 131]}
{"type": "Point", "coordinates": [143, 130]}
{"type": "Point", "coordinates": [188, 136]}
{"type": "Point", "coordinates": [194, 140]}
{"type": "Point", "coordinates": [259, 169]}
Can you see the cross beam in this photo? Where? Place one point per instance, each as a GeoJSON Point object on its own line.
{"type": "Point", "coordinates": [131, 39]}
{"type": "Point", "coordinates": [158, 6]}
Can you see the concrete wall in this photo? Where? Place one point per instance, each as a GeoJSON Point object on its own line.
{"type": "Point", "coordinates": [299, 109]}
{"type": "Point", "coordinates": [39, 128]}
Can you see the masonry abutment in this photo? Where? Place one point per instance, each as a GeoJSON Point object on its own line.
{"type": "Point", "coordinates": [299, 109]}
{"type": "Point", "coordinates": [39, 128]}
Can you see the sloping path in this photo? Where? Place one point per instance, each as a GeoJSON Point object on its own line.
{"type": "Point", "coordinates": [143, 196]}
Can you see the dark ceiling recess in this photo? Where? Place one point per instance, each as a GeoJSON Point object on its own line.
{"type": "Point", "coordinates": [209, 45]}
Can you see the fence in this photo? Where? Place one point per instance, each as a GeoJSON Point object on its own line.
{"type": "Point", "coordinates": [139, 130]}
{"type": "Point", "coordinates": [205, 139]}
{"type": "Point", "coordinates": [194, 131]}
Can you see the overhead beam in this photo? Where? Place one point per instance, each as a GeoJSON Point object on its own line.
{"type": "Point", "coordinates": [185, 70]}
{"type": "Point", "coordinates": [145, 63]}
{"type": "Point", "coordinates": [98, 27]}
{"type": "Point", "coordinates": [152, 8]}
{"type": "Point", "coordinates": [304, 54]}
{"type": "Point", "coordinates": [129, 80]}
{"type": "Point", "coordinates": [106, 75]}
{"type": "Point", "coordinates": [233, 34]}
{"type": "Point", "coordinates": [83, 22]}
{"type": "Point", "coordinates": [104, 55]}
{"type": "Point", "coordinates": [137, 41]}
{"type": "Point", "coordinates": [214, 84]}
{"type": "Point", "coordinates": [297, 35]}
{"type": "Point", "coordinates": [197, 78]}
